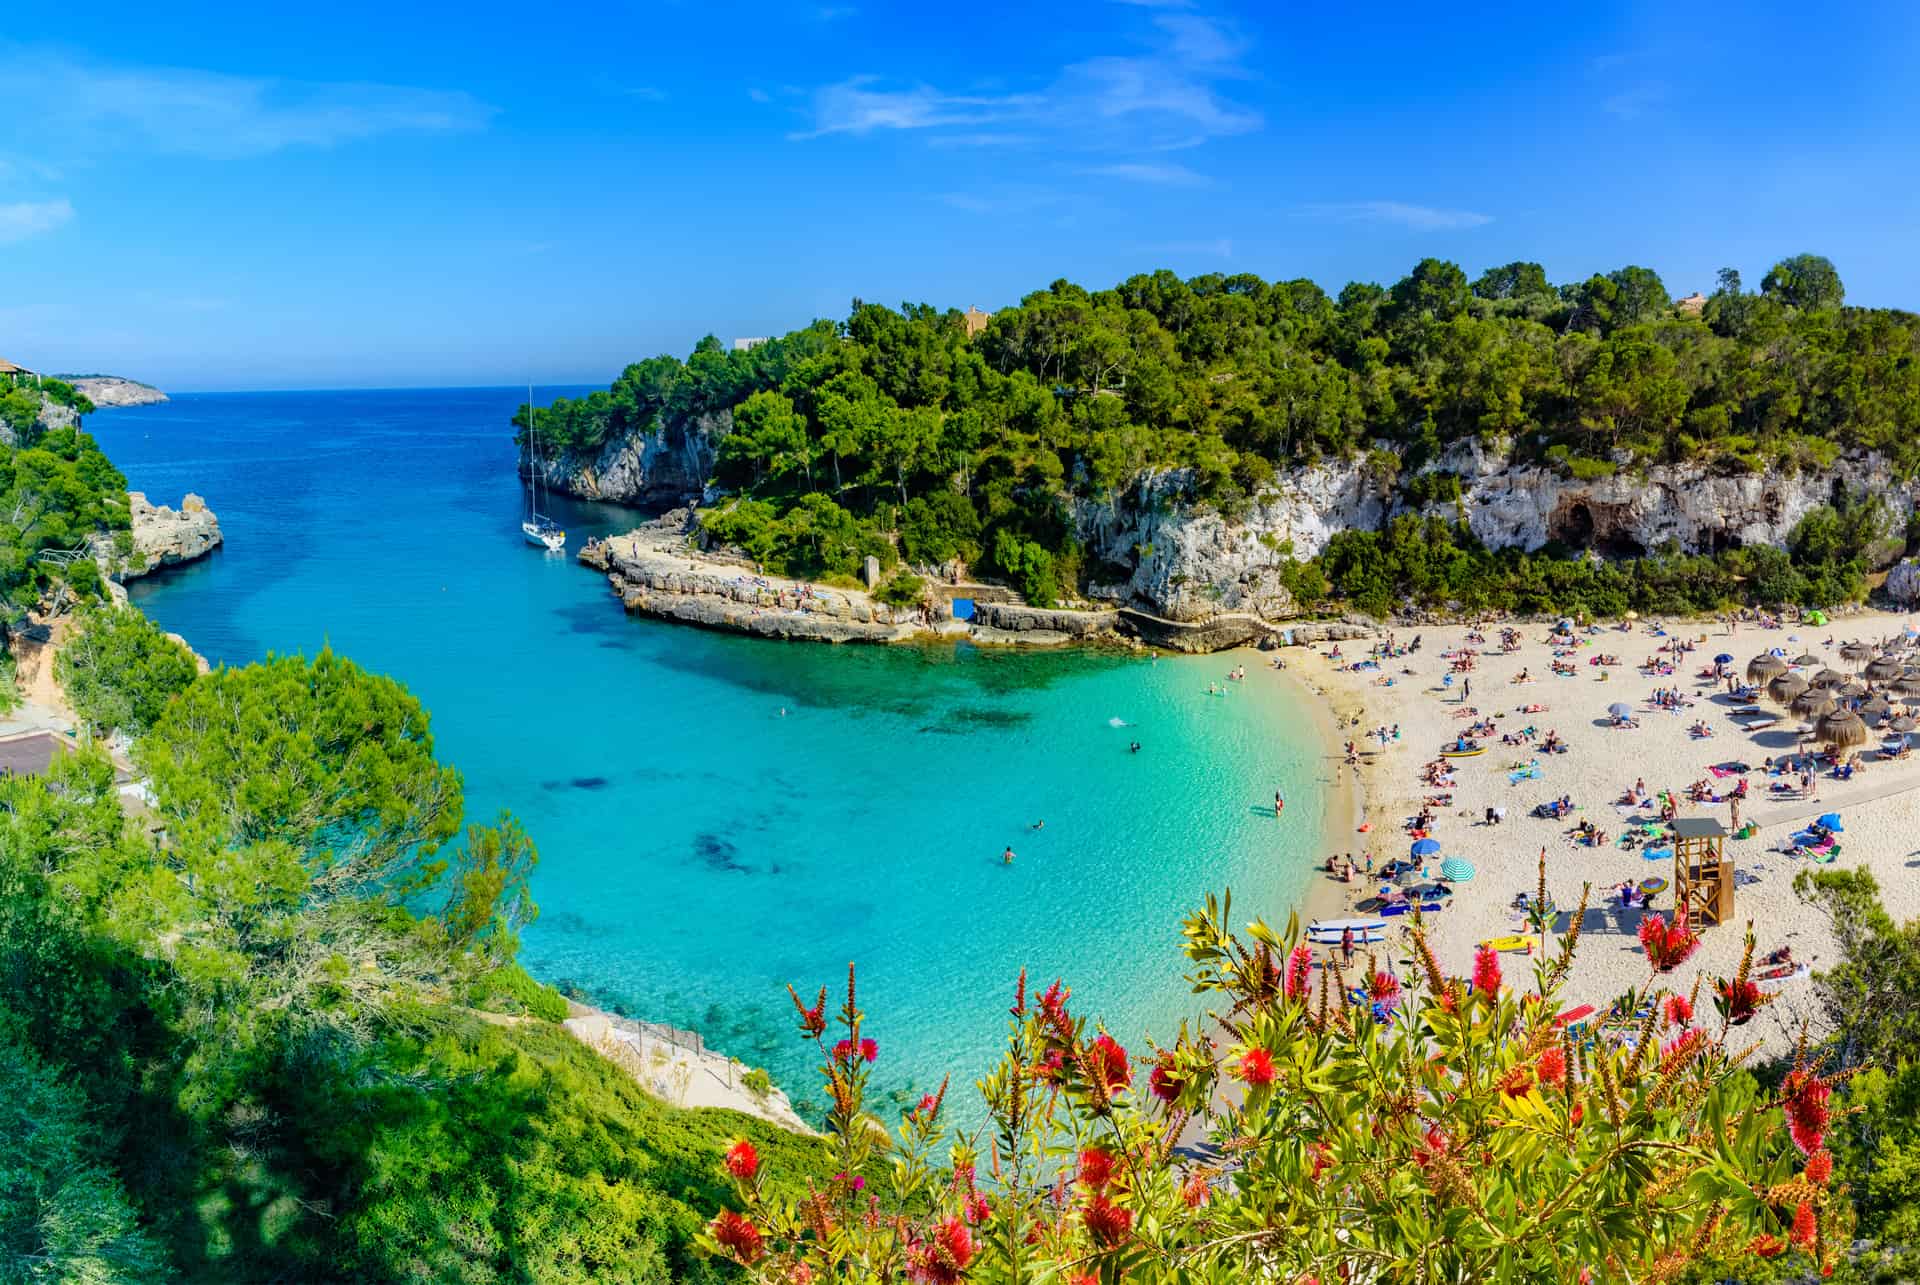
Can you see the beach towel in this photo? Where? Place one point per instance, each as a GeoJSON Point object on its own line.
{"type": "Point", "coordinates": [1524, 774]}
{"type": "Point", "coordinates": [1723, 772]}
{"type": "Point", "coordinates": [1658, 854]}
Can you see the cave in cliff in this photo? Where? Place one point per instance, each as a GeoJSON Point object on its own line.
{"type": "Point", "coordinates": [1603, 528]}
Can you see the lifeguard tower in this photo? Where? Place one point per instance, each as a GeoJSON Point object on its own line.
{"type": "Point", "coordinates": [1702, 875]}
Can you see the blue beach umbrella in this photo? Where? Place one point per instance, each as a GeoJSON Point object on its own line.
{"type": "Point", "coordinates": [1723, 659]}
{"type": "Point", "coordinates": [1458, 869]}
{"type": "Point", "coordinates": [1425, 847]}
{"type": "Point", "coordinates": [1830, 821]}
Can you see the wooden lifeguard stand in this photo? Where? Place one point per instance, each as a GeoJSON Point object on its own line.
{"type": "Point", "coordinates": [1702, 875]}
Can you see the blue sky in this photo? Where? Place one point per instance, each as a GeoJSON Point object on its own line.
{"type": "Point", "coordinates": [260, 196]}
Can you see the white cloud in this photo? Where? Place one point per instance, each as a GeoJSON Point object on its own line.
{"type": "Point", "coordinates": [22, 219]}
{"type": "Point", "coordinates": [83, 106]}
{"type": "Point", "coordinates": [1425, 218]}
{"type": "Point", "coordinates": [1169, 95]}
{"type": "Point", "coordinates": [1166, 175]}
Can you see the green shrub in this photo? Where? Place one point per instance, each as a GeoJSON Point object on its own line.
{"type": "Point", "coordinates": [903, 590]}
{"type": "Point", "coordinates": [512, 987]}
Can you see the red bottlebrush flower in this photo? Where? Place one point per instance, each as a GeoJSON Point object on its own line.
{"type": "Point", "coordinates": [942, 1258]}
{"type": "Point", "coordinates": [1053, 1004]}
{"type": "Point", "coordinates": [1384, 988]}
{"type": "Point", "coordinates": [1668, 945]}
{"type": "Point", "coordinates": [1486, 972]}
{"type": "Point", "coordinates": [1165, 1084]}
{"type": "Point", "coordinates": [742, 1160]}
{"type": "Point", "coordinates": [1820, 1167]}
{"type": "Point", "coordinates": [870, 1050]}
{"type": "Point", "coordinates": [1255, 1068]}
{"type": "Point", "coordinates": [1679, 1010]}
{"type": "Point", "coordinates": [1518, 1081]}
{"type": "Point", "coordinates": [1742, 998]}
{"type": "Point", "coordinates": [1050, 1066]}
{"type": "Point", "coordinates": [813, 1021]}
{"type": "Point", "coordinates": [979, 1208]}
{"type": "Point", "coordinates": [1766, 1247]}
{"type": "Point", "coordinates": [927, 1105]}
{"type": "Point", "coordinates": [1803, 1100]}
{"type": "Point", "coordinates": [843, 1051]}
{"type": "Point", "coordinates": [1106, 1222]}
{"type": "Point", "coordinates": [1096, 1168]}
{"type": "Point", "coordinates": [1552, 1066]}
{"type": "Point", "coordinates": [1432, 1148]}
{"type": "Point", "coordinates": [1299, 972]}
{"type": "Point", "coordinates": [1586, 1276]}
{"type": "Point", "coordinates": [1108, 1063]}
{"type": "Point", "coordinates": [800, 1274]}
{"type": "Point", "coordinates": [1195, 1191]}
{"type": "Point", "coordinates": [1319, 1157]}
{"type": "Point", "coordinates": [1805, 1225]}
{"type": "Point", "coordinates": [738, 1237]}
{"type": "Point", "coordinates": [1577, 1114]}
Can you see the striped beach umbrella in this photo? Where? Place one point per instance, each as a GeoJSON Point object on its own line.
{"type": "Point", "coordinates": [1457, 869]}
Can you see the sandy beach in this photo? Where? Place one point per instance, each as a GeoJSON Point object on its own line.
{"type": "Point", "coordinates": [1879, 804]}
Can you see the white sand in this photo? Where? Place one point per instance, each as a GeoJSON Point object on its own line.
{"type": "Point", "coordinates": [675, 1071]}
{"type": "Point", "coordinates": [1879, 806]}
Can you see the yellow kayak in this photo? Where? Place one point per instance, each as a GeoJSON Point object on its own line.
{"type": "Point", "coordinates": [1462, 754]}
{"type": "Point", "coordinates": [1509, 943]}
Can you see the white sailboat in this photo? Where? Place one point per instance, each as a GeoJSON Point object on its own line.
{"type": "Point", "coordinates": [538, 527]}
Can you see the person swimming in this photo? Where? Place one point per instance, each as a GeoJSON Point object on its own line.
{"type": "Point", "coordinates": [1279, 803]}
{"type": "Point", "coordinates": [1134, 748]}
{"type": "Point", "coordinates": [1038, 825]}
{"type": "Point", "coordinates": [1006, 858]}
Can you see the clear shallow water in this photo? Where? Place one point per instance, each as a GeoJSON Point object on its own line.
{"type": "Point", "coordinates": [699, 850]}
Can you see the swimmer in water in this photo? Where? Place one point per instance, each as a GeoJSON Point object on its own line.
{"type": "Point", "coordinates": [1134, 748]}
{"type": "Point", "coordinates": [1278, 803]}
{"type": "Point", "coordinates": [1006, 858]}
{"type": "Point", "coordinates": [1039, 825]}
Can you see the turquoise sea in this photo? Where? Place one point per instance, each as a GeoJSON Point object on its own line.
{"type": "Point", "coordinates": [698, 849]}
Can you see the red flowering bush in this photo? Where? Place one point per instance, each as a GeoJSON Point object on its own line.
{"type": "Point", "coordinates": [1441, 1137]}
{"type": "Point", "coordinates": [1668, 944]}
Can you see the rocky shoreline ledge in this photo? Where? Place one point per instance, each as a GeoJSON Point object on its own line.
{"type": "Point", "coordinates": [659, 570]}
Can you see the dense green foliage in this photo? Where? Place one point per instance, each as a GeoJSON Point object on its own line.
{"type": "Point", "coordinates": [277, 1032]}
{"type": "Point", "coordinates": [119, 669]}
{"type": "Point", "coordinates": [896, 433]}
{"type": "Point", "coordinates": [57, 490]}
{"type": "Point", "coordinates": [1429, 562]}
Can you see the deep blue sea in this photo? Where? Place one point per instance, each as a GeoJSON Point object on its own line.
{"type": "Point", "coordinates": [698, 849]}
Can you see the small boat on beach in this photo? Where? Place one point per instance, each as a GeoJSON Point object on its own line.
{"type": "Point", "coordinates": [1512, 942]}
{"type": "Point", "coordinates": [1327, 932]}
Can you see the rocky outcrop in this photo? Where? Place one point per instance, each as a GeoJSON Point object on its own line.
{"type": "Point", "coordinates": [1191, 563]}
{"type": "Point", "coordinates": [112, 390]}
{"type": "Point", "coordinates": [666, 465]}
{"type": "Point", "coordinates": [165, 537]}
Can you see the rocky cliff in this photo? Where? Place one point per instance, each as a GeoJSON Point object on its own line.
{"type": "Point", "coordinates": [1189, 562]}
{"type": "Point", "coordinates": [165, 537]}
{"type": "Point", "coordinates": [112, 390]}
{"type": "Point", "coordinates": [666, 466]}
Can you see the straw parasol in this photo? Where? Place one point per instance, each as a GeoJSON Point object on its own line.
{"type": "Point", "coordinates": [1828, 678]}
{"type": "Point", "coordinates": [1814, 704]}
{"type": "Point", "coordinates": [1806, 658]}
{"type": "Point", "coordinates": [1908, 684]}
{"type": "Point", "coordinates": [1851, 691]}
{"type": "Point", "coordinates": [1882, 668]}
{"type": "Point", "coordinates": [1765, 666]}
{"type": "Point", "coordinates": [1875, 709]}
{"type": "Point", "coordinates": [1786, 688]}
{"type": "Point", "coordinates": [1841, 729]}
{"type": "Point", "coordinates": [1857, 652]}
{"type": "Point", "coordinates": [1901, 723]}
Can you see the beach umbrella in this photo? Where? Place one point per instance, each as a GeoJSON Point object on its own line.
{"type": "Point", "coordinates": [1619, 709]}
{"type": "Point", "coordinates": [1427, 847]}
{"type": "Point", "coordinates": [1908, 684]}
{"type": "Point", "coordinates": [1875, 709]}
{"type": "Point", "coordinates": [1409, 878]}
{"type": "Point", "coordinates": [1762, 668]}
{"type": "Point", "coordinates": [1458, 869]}
{"type": "Point", "coordinates": [1814, 704]}
{"type": "Point", "coordinates": [1723, 659]}
{"type": "Point", "coordinates": [1828, 678]}
{"type": "Point", "coordinates": [1841, 730]}
{"type": "Point", "coordinates": [1806, 658]}
{"type": "Point", "coordinates": [1902, 723]}
{"type": "Point", "coordinates": [1786, 689]}
{"type": "Point", "coordinates": [1852, 691]}
{"type": "Point", "coordinates": [1882, 668]}
{"type": "Point", "coordinates": [1830, 821]}
{"type": "Point", "coordinates": [1856, 653]}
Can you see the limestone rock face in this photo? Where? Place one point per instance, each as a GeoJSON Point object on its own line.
{"type": "Point", "coordinates": [669, 465]}
{"type": "Point", "coordinates": [165, 537]}
{"type": "Point", "coordinates": [112, 390]}
{"type": "Point", "coordinates": [1903, 582]}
